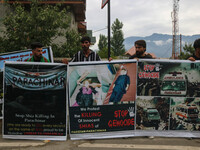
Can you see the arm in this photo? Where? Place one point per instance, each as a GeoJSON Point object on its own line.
{"type": "Point", "coordinates": [128, 82]}
{"type": "Point", "coordinates": [127, 87]}
{"type": "Point", "coordinates": [65, 61]}
{"type": "Point", "coordinates": [134, 57]}
{"type": "Point", "coordinates": [94, 85]}
{"type": "Point", "coordinates": [191, 59]}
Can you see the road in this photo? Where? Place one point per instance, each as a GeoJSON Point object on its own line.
{"type": "Point", "coordinates": [136, 143]}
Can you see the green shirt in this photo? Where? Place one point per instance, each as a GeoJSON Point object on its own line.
{"type": "Point", "coordinates": [43, 59]}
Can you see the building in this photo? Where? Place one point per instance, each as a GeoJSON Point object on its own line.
{"type": "Point", "coordinates": [77, 9]}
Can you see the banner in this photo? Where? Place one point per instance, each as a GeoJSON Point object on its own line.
{"type": "Point", "coordinates": [35, 101]}
{"type": "Point", "coordinates": [125, 98]}
{"type": "Point", "coordinates": [102, 99]}
{"type": "Point", "coordinates": [168, 98]}
{"type": "Point", "coordinates": [18, 56]}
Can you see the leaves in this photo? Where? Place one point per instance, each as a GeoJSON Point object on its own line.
{"type": "Point", "coordinates": [117, 39]}
{"type": "Point", "coordinates": [188, 51]}
{"type": "Point", "coordinates": [38, 23]}
{"type": "Point", "coordinates": [70, 47]}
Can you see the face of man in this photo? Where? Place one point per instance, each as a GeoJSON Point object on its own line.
{"type": "Point", "coordinates": [197, 52]}
{"type": "Point", "coordinates": [85, 45]}
{"type": "Point", "coordinates": [139, 49]}
{"type": "Point", "coordinates": [37, 53]}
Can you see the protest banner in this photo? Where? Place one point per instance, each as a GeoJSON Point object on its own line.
{"type": "Point", "coordinates": [22, 55]}
{"type": "Point", "coordinates": [166, 102]}
{"type": "Point", "coordinates": [35, 101]}
{"type": "Point", "coordinates": [102, 99]}
{"type": "Point", "coordinates": [168, 98]}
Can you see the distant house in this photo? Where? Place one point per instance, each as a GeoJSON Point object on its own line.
{"type": "Point", "coordinates": [131, 51]}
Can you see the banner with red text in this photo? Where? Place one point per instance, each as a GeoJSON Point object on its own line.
{"type": "Point", "coordinates": [102, 99]}
{"type": "Point", "coordinates": [168, 98]}
{"type": "Point", "coordinates": [35, 101]}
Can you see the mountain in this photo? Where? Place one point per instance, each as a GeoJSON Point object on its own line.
{"type": "Point", "coordinates": [159, 44]}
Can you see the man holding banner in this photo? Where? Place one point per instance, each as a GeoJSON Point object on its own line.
{"type": "Point", "coordinates": [86, 54]}
{"type": "Point", "coordinates": [37, 53]}
{"type": "Point", "coordinates": [196, 55]}
{"type": "Point", "coordinates": [140, 47]}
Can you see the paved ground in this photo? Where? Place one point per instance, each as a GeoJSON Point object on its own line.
{"type": "Point", "coordinates": [136, 143]}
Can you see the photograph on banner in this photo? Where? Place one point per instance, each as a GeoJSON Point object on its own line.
{"type": "Point", "coordinates": [22, 55]}
{"type": "Point", "coordinates": [102, 84]}
{"type": "Point", "coordinates": [35, 100]}
{"type": "Point", "coordinates": [168, 78]}
{"type": "Point", "coordinates": [152, 113]}
{"type": "Point", "coordinates": [102, 96]}
{"type": "Point", "coordinates": [184, 114]}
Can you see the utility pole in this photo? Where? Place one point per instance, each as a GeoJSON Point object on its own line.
{"type": "Point", "coordinates": [175, 29]}
{"type": "Point", "coordinates": [104, 2]}
{"type": "Point", "coordinates": [108, 29]}
{"type": "Point", "coordinates": [180, 43]}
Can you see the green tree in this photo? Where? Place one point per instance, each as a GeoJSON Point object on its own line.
{"type": "Point", "coordinates": [41, 23]}
{"type": "Point", "coordinates": [117, 39]}
{"type": "Point", "coordinates": [103, 46]}
{"type": "Point", "coordinates": [70, 47]}
{"type": "Point", "coordinates": [103, 42]}
{"type": "Point", "coordinates": [103, 53]}
{"type": "Point", "coordinates": [188, 51]}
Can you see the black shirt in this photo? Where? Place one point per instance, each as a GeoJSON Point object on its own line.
{"type": "Point", "coordinates": [146, 56]}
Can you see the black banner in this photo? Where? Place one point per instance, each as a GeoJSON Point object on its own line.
{"type": "Point", "coordinates": [38, 112]}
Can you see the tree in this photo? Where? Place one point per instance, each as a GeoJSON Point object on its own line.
{"type": "Point", "coordinates": [103, 46]}
{"type": "Point", "coordinates": [41, 23]}
{"type": "Point", "coordinates": [70, 47]}
{"type": "Point", "coordinates": [103, 42]}
{"type": "Point", "coordinates": [188, 51]}
{"type": "Point", "coordinates": [117, 39]}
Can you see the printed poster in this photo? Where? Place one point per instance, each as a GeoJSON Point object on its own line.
{"type": "Point", "coordinates": [168, 78]}
{"type": "Point", "coordinates": [18, 56]}
{"type": "Point", "coordinates": [168, 98]}
{"type": "Point", "coordinates": [102, 99]}
{"type": "Point", "coordinates": [35, 101]}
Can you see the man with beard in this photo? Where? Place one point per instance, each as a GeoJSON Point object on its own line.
{"type": "Point", "coordinates": [196, 55]}
{"type": "Point", "coordinates": [141, 53]}
{"type": "Point", "coordinates": [86, 54]}
{"type": "Point", "coordinates": [140, 47]}
{"type": "Point", "coordinates": [37, 53]}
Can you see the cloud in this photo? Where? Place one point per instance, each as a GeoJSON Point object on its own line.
{"type": "Point", "coordinates": [144, 17]}
{"type": "Point", "coordinates": [169, 41]}
{"type": "Point", "coordinates": [161, 42]}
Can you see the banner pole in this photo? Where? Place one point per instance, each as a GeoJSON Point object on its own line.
{"type": "Point", "coordinates": [108, 29]}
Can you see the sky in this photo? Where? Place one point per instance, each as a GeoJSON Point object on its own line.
{"type": "Point", "coordinates": [143, 17]}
